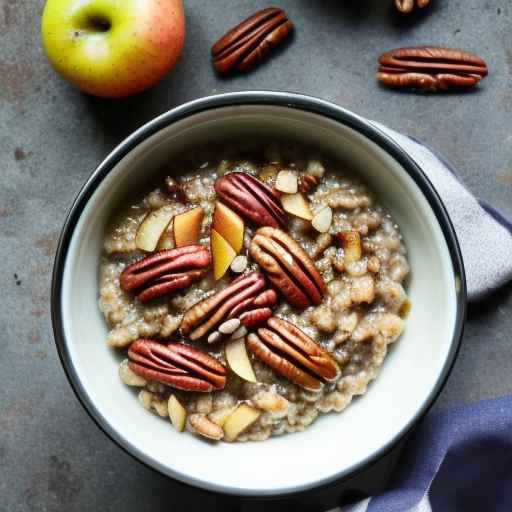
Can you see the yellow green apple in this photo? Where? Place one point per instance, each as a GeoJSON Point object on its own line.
{"type": "Point", "coordinates": [113, 48]}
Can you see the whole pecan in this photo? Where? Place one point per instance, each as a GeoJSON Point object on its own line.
{"type": "Point", "coordinates": [251, 198]}
{"type": "Point", "coordinates": [288, 267]}
{"type": "Point", "coordinates": [430, 68]}
{"type": "Point", "coordinates": [293, 354]}
{"type": "Point", "coordinates": [165, 271]}
{"type": "Point", "coordinates": [247, 298]}
{"type": "Point", "coordinates": [176, 365]}
{"type": "Point", "coordinates": [408, 5]}
{"type": "Point", "coordinates": [251, 40]}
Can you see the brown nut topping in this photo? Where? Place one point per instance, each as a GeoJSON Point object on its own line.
{"type": "Point", "coordinates": [292, 354]}
{"type": "Point", "coordinates": [176, 365]}
{"type": "Point", "coordinates": [165, 272]}
{"type": "Point", "coordinates": [288, 267]}
{"type": "Point", "coordinates": [307, 182]}
{"type": "Point", "coordinates": [251, 40]}
{"type": "Point", "coordinates": [408, 5]}
{"type": "Point", "coordinates": [430, 68]}
{"type": "Point", "coordinates": [251, 198]}
{"type": "Point", "coordinates": [245, 298]}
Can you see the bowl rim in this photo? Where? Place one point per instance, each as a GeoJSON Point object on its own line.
{"type": "Point", "coordinates": [264, 98]}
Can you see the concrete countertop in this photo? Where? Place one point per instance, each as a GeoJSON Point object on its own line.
{"type": "Point", "coordinates": [51, 137]}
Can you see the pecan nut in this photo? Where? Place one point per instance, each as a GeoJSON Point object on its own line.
{"type": "Point", "coordinates": [165, 271]}
{"type": "Point", "coordinates": [251, 198]}
{"type": "Point", "coordinates": [431, 68]}
{"type": "Point", "coordinates": [176, 365]}
{"type": "Point", "coordinates": [251, 40]}
{"type": "Point", "coordinates": [408, 5]}
{"type": "Point", "coordinates": [293, 354]}
{"type": "Point", "coordinates": [247, 298]}
{"type": "Point", "coordinates": [288, 267]}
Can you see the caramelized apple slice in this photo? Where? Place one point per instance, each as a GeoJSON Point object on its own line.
{"type": "Point", "coordinates": [296, 205]}
{"type": "Point", "coordinates": [220, 416]}
{"type": "Point", "coordinates": [223, 254]}
{"type": "Point", "coordinates": [187, 227]}
{"type": "Point", "coordinates": [239, 420]}
{"type": "Point", "coordinates": [177, 413]}
{"type": "Point", "coordinates": [152, 227]}
{"type": "Point", "coordinates": [238, 360]}
{"type": "Point", "coordinates": [229, 225]}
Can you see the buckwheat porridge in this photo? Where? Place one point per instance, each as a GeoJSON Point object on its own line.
{"type": "Point", "coordinates": [255, 287]}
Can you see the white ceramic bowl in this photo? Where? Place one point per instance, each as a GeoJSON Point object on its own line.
{"type": "Point", "coordinates": [336, 445]}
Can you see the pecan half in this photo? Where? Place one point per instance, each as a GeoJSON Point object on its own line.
{"type": "Point", "coordinates": [165, 271]}
{"type": "Point", "coordinates": [247, 298]}
{"type": "Point", "coordinates": [176, 365]}
{"type": "Point", "coordinates": [251, 40]}
{"type": "Point", "coordinates": [293, 354]}
{"type": "Point", "coordinates": [431, 68]}
{"type": "Point", "coordinates": [307, 182]}
{"type": "Point", "coordinates": [252, 199]}
{"type": "Point", "coordinates": [288, 267]}
{"type": "Point", "coordinates": [408, 5]}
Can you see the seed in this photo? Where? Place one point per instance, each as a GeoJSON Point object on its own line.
{"type": "Point", "coordinates": [214, 336]}
{"type": "Point", "coordinates": [286, 182]}
{"type": "Point", "coordinates": [229, 326]}
{"type": "Point", "coordinates": [239, 264]}
{"type": "Point", "coordinates": [239, 333]}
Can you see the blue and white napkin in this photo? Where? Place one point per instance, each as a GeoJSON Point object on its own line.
{"type": "Point", "coordinates": [458, 460]}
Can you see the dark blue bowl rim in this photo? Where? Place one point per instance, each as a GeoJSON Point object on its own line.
{"type": "Point", "coordinates": [272, 98]}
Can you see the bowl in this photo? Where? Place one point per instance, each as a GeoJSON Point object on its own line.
{"type": "Point", "coordinates": [336, 446]}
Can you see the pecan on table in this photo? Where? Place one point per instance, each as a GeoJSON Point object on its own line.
{"type": "Point", "coordinates": [165, 271]}
{"type": "Point", "coordinates": [430, 68]}
{"type": "Point", "coordinates": [247, 298]}
{"type": "Point", "coordinates": [252, 199]}
{"type": "Point", "coordinates": [176, 365]}
{"type": "Point", "coordinates": [251, 40]}
{"type": "Point", "coordinates": [292, 354]}
{"type": "Point", "coordinates": [288, 267]}
{"type": "Point", "coordinates": [409, 5]}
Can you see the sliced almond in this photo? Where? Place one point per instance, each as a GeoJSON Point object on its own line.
{"type": "Point", "coordinates": [352, 247]}
{"type": "Point", "coordinates": [177, 413]}
{"type": "Point", "coordinates": [287, 182]}
{"type": "Point", "coordinates": [239, 420]}
{"type": "Point", "coordinates": [205, 427]}
{"type": "Point", "coordinates": [322, 220]}
{"type": "Point", "coordinates": [295, 204]}
{"type": "Point", "coordinates": [152, 227]}
{"type": "Point", "coordinates": [239, 264]}
{"type": "Point", "coordinates": [229, 326]}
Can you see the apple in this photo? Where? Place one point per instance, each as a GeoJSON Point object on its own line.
{"type": "Point", "coordinates": [229, 225]}
{"type": "Point", "coordinates": [113, 48]}
{"type": "Point", "coordinates": [239, 420]}
{"type": "Point", "coordinates": [222, 253]}
{"type": "Point", "coordinates": [152, 228]}
{"type": "Point", "coordinates": [296, 205]}
{"type": "Point", "coordinates": [238, 360]}
{"type": "Point", "coordinates": [187, 227]}
{"type": "Point", "coordinates": [177, 413]}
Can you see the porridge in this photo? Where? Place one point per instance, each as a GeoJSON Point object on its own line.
{"type": "Point", "coordinates": [253, 288]}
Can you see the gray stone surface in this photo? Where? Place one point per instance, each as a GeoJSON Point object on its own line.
{"type": "Point", "coordinates": [52, 457]}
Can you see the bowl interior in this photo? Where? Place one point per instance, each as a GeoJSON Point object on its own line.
{"type": "Point", "coordinates": [336, 443]}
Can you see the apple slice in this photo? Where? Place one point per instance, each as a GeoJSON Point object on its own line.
{"type": "Point", "coordinates": [152, 227]}
{"type": "Point", "coordinates": [187, 227]}
{"type": "Point", "coordinates": [239, 420]}
{"type": "Point", "coordinates": [296, 205]}
{"type": "Point", "coordinates": [166, 240]}
{"type": "Point", "coordinates": [229, 225]}
{"type": "Point", "coordinates": [223, 254]}
{"type": "Point", "coordinates": [220, 416]}
{"type": "Point", "coordinates": [177, 413]}
{"type": "Point", "coordinates": [238, 360]}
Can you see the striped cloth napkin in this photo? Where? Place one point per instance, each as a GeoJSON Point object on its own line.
{"type": "Point", "coordinates": [458, 459]}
